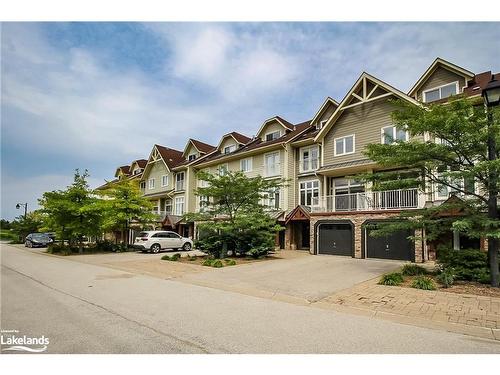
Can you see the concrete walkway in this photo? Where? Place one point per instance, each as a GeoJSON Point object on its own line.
{"type": "Point", "coordinates": [464, 313]}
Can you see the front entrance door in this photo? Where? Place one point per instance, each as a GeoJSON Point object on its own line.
{"type": "Point", "coordinates": [305, 234]}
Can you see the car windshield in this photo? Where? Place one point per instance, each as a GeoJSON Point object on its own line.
{"type": "Point", "coordinates": [39, 236]}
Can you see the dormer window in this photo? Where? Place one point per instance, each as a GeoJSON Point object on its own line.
{"type": "Point", "coordinates": [192, 157]}
{"type": "Point", "coordinates": [440, 92]}
{"type": "Point", "coordinates": [272, 136]}
{"type": "Point", "coordinates": [229, 149]}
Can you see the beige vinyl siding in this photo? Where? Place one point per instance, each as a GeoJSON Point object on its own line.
{"type": "Point", "coordinates": [440, 77]}
{"type": "Point", "coordinates": [191, 150]}
{"type": "Point", "coordinates": [228, 142]}
{"type": "Point", "coordinates": [271, 128]}
{"type": "Point", "coordinates": [327, 113]}
{"type": "Point", "coordinates": [156, 171]}
{"type": "Point", "coordinates": [289, 197]}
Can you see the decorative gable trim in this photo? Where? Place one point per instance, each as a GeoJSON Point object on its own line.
{"type": "Point", "coordinates": [328, 101]}
{"type": "Point", "coordinates": [439, 62]}
{"type": "Point", "coordinates": [276, 119]}
{"type": "Point", "coordinates": [367, 88]}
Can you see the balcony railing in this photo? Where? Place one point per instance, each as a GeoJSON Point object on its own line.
{"type": "Point", "coordinates": [369, 201]}
{"type": "Point", "coordinates": [308, 165]}
{"type": "Point", "coordinates": [161, 214]}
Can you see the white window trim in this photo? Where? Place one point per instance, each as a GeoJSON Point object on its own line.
{"type": "Point", "coordinates": [394, 133]}
{"type": "Point", "coordinates": [276, 131]}
{"type": "Point", "coordinates": [343, 137]}
{"type": "Point", "coordinates": [219, 168]}
{"type": "Point", "coordinates": [301, 157]}
{"type": "Point", "coordinates": [229, 146]}
{"type": "Point", "coordinates": [162, 179]}
{"type": "Point", "coordinates": [250, 164]}
{"type": "Point", "coordinates": [151, 187]}
{"type": "Point", "coordinates": [183, 181]}
{"type": "Point", "coordinates": [195, 156]}
{"type": "Point", "coordinates": [424, 96]}
{"type": "Point", "coordinates": [319, 190]}
{"type": "Point", "coordinates": [178, 201]}
{"type": "Point", "coordinates": [278, 163]}
{"type": "Point", "coordinates": [321, 124]}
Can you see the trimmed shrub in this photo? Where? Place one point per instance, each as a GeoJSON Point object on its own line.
{"type": "Point", "coordinates": [173, 258]}
{"type": "Point", "coordinates": [446, 277]}
{"type": "Point", "coordinates": [423, 282]}
{"type": "Point", "coordinates": [165, 257]}
{"type": "Point", "coordinates": [207, 262]}
{"type": "Point", "coordinates": [258, 252]}
{"type": "Point", "coordinates": [392, 279]}
{"type": "Point", "coordinates": [413, 270]}
{"type": "Point", "coordinates": [230, 262]}
{"type": "Point", "coordinates": [469, 264]}
{"type": "Point", "coordinates": [217, 264]}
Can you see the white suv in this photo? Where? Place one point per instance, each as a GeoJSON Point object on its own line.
{"type": "Point", "coordinates": [158, 240]}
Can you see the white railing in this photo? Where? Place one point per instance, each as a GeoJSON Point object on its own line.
{"type": "Point", "coordinates": [307, 165]}
{"type": "Point", "coordinates": [368, 201]}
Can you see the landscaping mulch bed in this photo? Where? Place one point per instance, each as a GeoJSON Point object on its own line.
{"type": "Point", "coordinates": [462, 287]}
{"type": "Point", "coordinates": [243, 260]}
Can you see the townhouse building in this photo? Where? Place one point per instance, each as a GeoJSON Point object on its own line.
{"type": "Point", "coordinates": [322, 208]}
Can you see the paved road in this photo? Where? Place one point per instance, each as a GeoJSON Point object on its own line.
{"type": "Point", "coordinates": [85, 308]}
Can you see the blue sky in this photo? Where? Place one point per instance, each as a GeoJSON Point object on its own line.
{"type": "Point", "coordinates": [99, 95]}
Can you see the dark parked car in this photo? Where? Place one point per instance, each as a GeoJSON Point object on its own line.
{"type": "Point", "coordinates": [37, 240]}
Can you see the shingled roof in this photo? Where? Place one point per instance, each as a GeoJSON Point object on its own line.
{"type": "Point", "coordinates": [171, 157]}
{"type": "Point", "coordinates": [202, 147]}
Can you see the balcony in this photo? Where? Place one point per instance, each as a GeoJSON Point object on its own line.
{"type": "Point", "coordinates": [308, 165]}
{"type": "Point", "coordinates": [402, 199]}
{"type": "Point", "coordinates": [161, 214]}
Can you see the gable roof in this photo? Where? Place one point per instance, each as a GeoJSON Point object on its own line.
{"type": "Point", "coordinates": [328, 101]}
{"type": "Point", "coordinates": [170, 156]}
{"type": "Point", "coordinates": [202, 147]}
{"type": "Point", "coordinates": [124, 169]}
{"type": "Point", "coordinates": [257, 143]}
{"type": "Point", "coordinates": [238, 137]}
{"type": "Point", "coordinates": [367, 94]}
{"type": "Point", "coordinates": [279, 120]}
{"type": "Point", "coordinates": [439, 62]}
{"type": "Point", "coordinates": [479, 82]}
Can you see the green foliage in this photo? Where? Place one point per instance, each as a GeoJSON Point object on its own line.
{"type": "Point", "coordinates": [173, 258]}
{"type": "Point", "coordinates": [207, 262]}
{"type": "Point", "coordinates": [446, 277]}
{"type": "Point", "coordinates": [191, 258]}
{"type": "Point", "coordinates": [217, 263]}
{"type": "Point", "coordinates": [468, 264]}
{"type": "Point", "coordinates": [230, 262]}
{"type": "Point", "coordinates": [413, 270]}
{"type": "Point", "coordinates": [123, 203]}
{"type": "Point", "coordinates": [258, 252]}
{"type": "Point", "coordinates": [234, 219]}
{"type": "Point", "coordinates": [5, 224]}
{"type": "Point", "coordinates": [393, 279]}
{"type": "Point", "coordinates": [448, 147]}
{"type": "Point", "coordinates": [423, 282]}
{"type": "Point", "coordinates": [32, 223]}
{"type": "Point", "coordinates": [72, 213]}
{"type": "Point", "coordinates": [6, 234]}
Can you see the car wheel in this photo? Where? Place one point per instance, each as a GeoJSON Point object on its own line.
{"type": "Point", "coordinates": [186, 246]}
{"type": "Point", "coordinates": [30, 245]}
{"type": "Point", "coordinates": [25, 244]}
{"type": "Point", "coordinates": [155, 248]}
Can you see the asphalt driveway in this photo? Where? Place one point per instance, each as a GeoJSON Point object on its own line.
{"type": "Point", "coordinates": [297, 275]}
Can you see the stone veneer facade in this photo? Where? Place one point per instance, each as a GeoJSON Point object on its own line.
{"type": "Point", "coordinates": [357, 219]}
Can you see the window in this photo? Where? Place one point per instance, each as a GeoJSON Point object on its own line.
{"type": "Point", "coordinates": [222, 169]}
{"type": "Point", "coordinates": [272, 164]}
{"type": "Point", "coordinates": [272, 136]}
{"type": "Point", "coordinates": [179, 205]}
{"type": "Point", "coordinates": [346, 197]}
{"type": "Point", "coordinates": [246, 165]}
{"type": "Point", "coordinates": [466, 184]}
{"type": "Point", "coordinates": [441, 92]}
{"type": "Point", "coordinates": [344, 145]}
{"type": "Point", "coordinates": [309, 193]}
{"type": "Point", "coordinates": [229, 149]}
{"type": "Point", "coordinates": [164, 180]}
{"type": "Point", "coordinates": [151, 183]}
{"type": "Point", "coordinates": [179, 181]}
{"type": "Point", "coordinates": [308, 159]}
{"type": "Point", "coordinates": [143, 185]}
{"type": "Point", "coordinates": [272, 199]}
{"type": "Point", "coordinates": [168, 206]}
{"type": "Point", "coordinates": [192, 157]}
{"type": "Point", "coordinates": [203, 202]}
{"type": "Point", "coordinates": [390, 134]}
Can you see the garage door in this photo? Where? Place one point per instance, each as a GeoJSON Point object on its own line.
{"type": "Point", "coordinates": [394, 246]}
{"type": "Point", "coordinates": [335, 239]}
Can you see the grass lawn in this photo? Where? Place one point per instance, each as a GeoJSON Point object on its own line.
{"type": "Point", "coordinates": [7, 235]}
